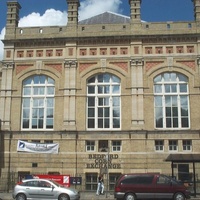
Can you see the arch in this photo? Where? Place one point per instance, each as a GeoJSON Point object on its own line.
{"type": "Point", "coordinates": [103, 102]}
{"type": "Point", "coordinates": [38, 93]}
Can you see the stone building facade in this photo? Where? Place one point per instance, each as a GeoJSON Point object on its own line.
{"type": "Point", "coordinates": [117, 94]}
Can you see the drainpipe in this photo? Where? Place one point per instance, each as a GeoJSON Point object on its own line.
{"type": "Point", "coordinates": [9, 162]}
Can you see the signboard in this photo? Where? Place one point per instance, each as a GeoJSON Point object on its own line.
{"type": "Point", "coordinates": [75, 180]}
{"type": "Point", "coordinates": [61, 179]}
{"type": "Point", "coordinates": [23, 146]}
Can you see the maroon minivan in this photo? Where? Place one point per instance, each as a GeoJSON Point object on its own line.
{"type": "Point", "coordinates": [149, 186]}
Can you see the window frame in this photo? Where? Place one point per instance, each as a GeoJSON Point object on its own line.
{"type": "Point", "coordinates": [174, 143]}
{"type": "Point", "coordinates": [169, 98]}
{"type": "Point", "coordinates": [188, 144]}
{"type": "Point", "coordinates": [161, 147]}
{"type": "Point", "coordinates": [38, 103]}
{"type": "Point", "coordinates": [103, 102]}
{"type": "Point", "coordinates": [90, 146]}
{"type": "Point", "coordinates": [116, 146]}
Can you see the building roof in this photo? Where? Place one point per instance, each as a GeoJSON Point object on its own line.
{"type": "Point", "coordinates": [106, 18]}
{"type": "Point", "coordinates": [183, 158]}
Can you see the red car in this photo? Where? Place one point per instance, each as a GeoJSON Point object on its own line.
{"type": "Point", "coordinates": [149, 186]}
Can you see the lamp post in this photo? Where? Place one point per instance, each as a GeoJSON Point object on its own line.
{"type": "Point", "coordinates": [107, 158]}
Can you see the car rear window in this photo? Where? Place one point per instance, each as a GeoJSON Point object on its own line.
{"type": "Point", "coordinates": [137, 179]}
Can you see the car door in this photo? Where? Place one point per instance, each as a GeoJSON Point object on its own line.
{"type": "Point", "coordinates": [45, 189]}
{"type": "Point", "coordinates": [31, 189]}
{"type": "Point", "coordinates": [163, 188]}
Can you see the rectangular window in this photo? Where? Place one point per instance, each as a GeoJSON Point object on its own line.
{"type": "Point", "coordinates": [159, 145]}
{"type": "Point", "coordinates": [116, 146]}
{"type": "Point", "coordinates": [112, 180]}
{"type": "Point", "coordinates": [91, 181]}
{"type": "Point", "coordinates": [173, 145]}
{"type": "Point", "coordinates": [187, 145]}
{"type": "Point", "coordinates": [90, 145]}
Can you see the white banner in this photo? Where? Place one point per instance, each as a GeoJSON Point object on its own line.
{"type": "Point", "coordinates": [23, 146]}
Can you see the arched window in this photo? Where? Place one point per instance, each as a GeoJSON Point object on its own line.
{"type": "Point", "coordinates": [103, 102]}
{"type": "Point", "coordinates": [38, 103]}
{"type": "Point", "coordinates": [171, 101]}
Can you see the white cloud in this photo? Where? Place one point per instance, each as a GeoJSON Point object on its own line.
{"type": "Point", "coordinates": [49, 18]}
{"type": "Point", "coordinates": [54, 17]}
{"type": "Point", "coordinates": [1, 43]}
{"type": "Point", "coordinates": [91, 8]}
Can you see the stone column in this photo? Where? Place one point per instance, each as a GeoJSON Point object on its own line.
{"type": "Point", "coordinates": [70, 95]}
{"type": "Point", "coordinates": [137, 92]}
{"type": "Point", "coordinates": [6, 94]}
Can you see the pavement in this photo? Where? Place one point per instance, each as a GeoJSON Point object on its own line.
{"type": "Point", "coordinates": [84, 196]}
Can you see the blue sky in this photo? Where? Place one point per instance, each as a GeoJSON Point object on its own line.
{"type": "Point", "coordinates": [53, 12]}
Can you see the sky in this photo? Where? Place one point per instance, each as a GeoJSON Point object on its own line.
{"type": "Point", "coordinates": [54, 12]}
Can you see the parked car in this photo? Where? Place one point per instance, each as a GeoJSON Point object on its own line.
{"type": "Point", "coordinates": [43, 189]}
{"type": "Point", "coordinates": [149, 186]}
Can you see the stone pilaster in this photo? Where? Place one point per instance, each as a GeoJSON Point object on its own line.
{"type": "Point", "coordinates": [6, 95]}
{"type": "Point", "coordinates": [137, 91]}
{"type": "Point", "coordinates": [70, 95]}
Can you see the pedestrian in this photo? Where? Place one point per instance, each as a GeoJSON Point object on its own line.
{"type": "Point", "coordinates": [100, 185]}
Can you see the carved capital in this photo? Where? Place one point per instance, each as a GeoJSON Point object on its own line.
{"type": "Point", "coordinates": [8, 65]}
{"type": "Point", "coordinates": [70, 63]}
{"type": "Point", "coordinates": [137, 62]}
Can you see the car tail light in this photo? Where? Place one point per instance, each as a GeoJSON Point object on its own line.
{"type": "Point", "coordinates": [19, 183]}
{"type": "Point", "coordinates": [117, 189]}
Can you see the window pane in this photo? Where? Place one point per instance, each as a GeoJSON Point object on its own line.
{"type": "Point", "coordinates": [168, 123]}
{"type": "Point", "coordinates": [92, 80]}
{"type": "Point", "coordinates": [91, 112]}
{"type": "Point", "coordinates": [100, 112]}
{"type": "Point", "coordinates": [50, 90]}
{"type": "Point", "coordinates": [100, 78]}
{"type": "Point", "coordinates": [100, 123]}
{"type": "Point", "coordinates": [116, 123]}
{"type": "Point", "coordinates": [90, 123]}
{"type": "Point", "coordinates": [91, 89]}
{"type": "Point", "coordinates": [100, 89]}
{"type": "Point", "coordinates": [91, 101]}
{"type": "Point", "coordinates": [27, 91]}
{"type": "Point", "coordinates": [116, 113]}
{"type": "Point", "coordinates": [175, 122]}
{"type": "Point", "coordinates": [107, 112]}
{"type": "Point", "coordinates": [158, 88]}
{"type": "Point", "coordinates": [183, 88]}
{"type": "Point", "coordinates": [116, 101]}
{"type": "Point", "coordinates": [185, 122]}
{"type": "Point", "coordinates": [115, 89]}
{"type": "Point", "coordinates": [158, 101]}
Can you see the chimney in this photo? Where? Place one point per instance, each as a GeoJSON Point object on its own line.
{"type": "Point", "coordinates": [135, 7]}
{"type": "Point", "coordinates": [73, 6]}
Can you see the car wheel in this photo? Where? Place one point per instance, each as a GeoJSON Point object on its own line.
{"type": "Point", "coordinates": [130, 196]}
{"type": "Point", "coordinates": [63, 197]}
{"type": "Point", "coordinates": [179, 196]}
{"type": "Point", "coordinates": [21, 197]}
